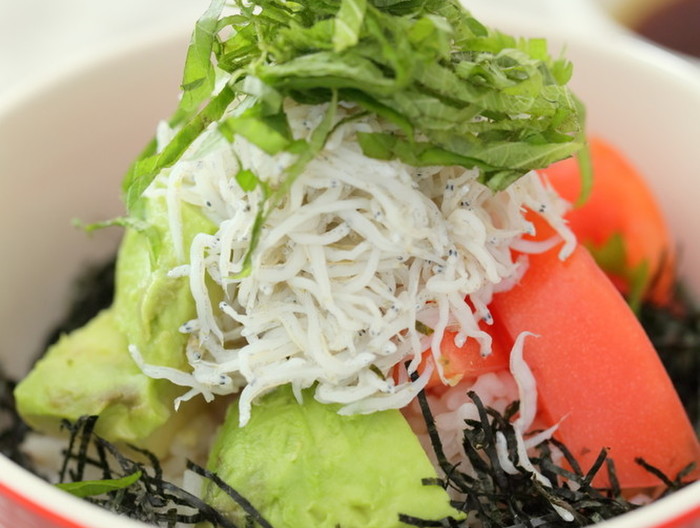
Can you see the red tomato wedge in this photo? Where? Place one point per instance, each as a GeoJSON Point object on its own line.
{"type": "Point", "coordinates": [621, 210]}
{"type": "Point", "coordinates": [466, 361]}
{"type": "Point", "coordinates": [596, 370]}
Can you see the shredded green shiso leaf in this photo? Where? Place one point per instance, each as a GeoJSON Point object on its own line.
{"type": "Point", "coordinates": [454, 91]}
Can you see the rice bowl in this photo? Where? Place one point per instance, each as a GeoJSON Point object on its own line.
{"type": "Point", "coordinates": [606, 117]}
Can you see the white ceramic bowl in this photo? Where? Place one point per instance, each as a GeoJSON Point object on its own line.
{"type": "Point", "coordinates": [65, 144]}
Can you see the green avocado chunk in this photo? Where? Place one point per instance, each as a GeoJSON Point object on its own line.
{"type": "Point", "coordinates": [90, 371]}
{"type": "Point", "coordinates": [307, 466]}
{"type": "Point", "coordinates": [149, 305]}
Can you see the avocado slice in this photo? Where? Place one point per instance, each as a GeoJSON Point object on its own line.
{"type": "Point", "coordinates": [303, 465]}
{"type": "Point", "coordinates": [90, 371]}
{"type": "Point", "coordinates": [149, 305]}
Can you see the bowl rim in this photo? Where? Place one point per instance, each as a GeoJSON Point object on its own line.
{"type": "Point", "coordinates": [53, 504]}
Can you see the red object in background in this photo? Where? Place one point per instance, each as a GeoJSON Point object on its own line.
{"type": "Point", "coordinates": [596, 370]}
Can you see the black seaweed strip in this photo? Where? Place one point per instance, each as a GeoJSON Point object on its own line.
{"type": "Point", "coordinates": [511, 410]}
{"type": "Point", "coordinates": [654, 471]}
{"type": "Point", "coordinates": [119, 498]}
{"type": "Point", "coordinates": [447, 522]}
{"type": "Point", "coordinates": [73, 430]}
{"type": "Point", "coordinates": [170, 517]}
{"type": "Point", "coordinates": [433, 481]}
{"type": "Point", "coordinates": [542, 521]}
{"type": "Point", "coordinates": [568, 456]}
{"type": "Point", "coordinates": [155, 493]}
{"type": "Point", "coordinates": [167, 490]}
{"type": "Point", "coordinates": [421, 523]}
{"type": "Point", "coordinates": [432, 430]}
{"type": "Point", "coordinates": [471, 445]}
{"type": "Point", "coordinates": [550, 496]}
{"type": "Point", "coordinates": [550, 466]}
{"type": "Point", "coordinates": [88, 425]}
{"type": "Point", "coordinates": [450, 470]}
{"type": "Point", "coordinates": [585, 490]}
{"type": "Point", "coordinates": [80, 430]}
{"type": "Point", "coordinates": [197, 503]}
{"type": "Point", "coordinates": [103, 463]}
{"type": "Point", "coordinates": [678, 482]}
{"type": "Point", "coordinates": [92, 291]}
{"type": "Point", "coordinates": [237, 497]}
{"type": "Point", "coordinates": [524, 503]}
{"type": "Point", "coordinates": [453, 523]}
{"type": "Point", "coordinates": [128, 466]}
{"type": "Point", "coordinates": [685, 471]}
{"type": "Point", "coordinates": [152, 459]}
{"type": "Point", "coordinates": [14, 430]}
{"type": "Point", "coordinates": [504, 427]}
{"type": "Point", "coordinates": [123, 502]}
{"type": "Point", "coordinates": [490, 445]}
{"type": "Point", "coordinates": [542, 462]}
{"type": "Point", "coordinates": [154, 489]}
{"type": "Point", "coordinates": [487, 510]}
{"type": "Point", "coordinates": [599, 461]}
{"type": "Point", "coordinates": [675, 333]}
{"type": "Point", "coordinates": [615, 489]}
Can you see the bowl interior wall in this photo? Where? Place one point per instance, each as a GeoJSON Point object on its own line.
{"type": "Point", "coordinates": [63, 152]}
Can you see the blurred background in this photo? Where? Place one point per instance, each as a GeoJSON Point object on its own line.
{"type": "Point", "coordinates": [41, 38]}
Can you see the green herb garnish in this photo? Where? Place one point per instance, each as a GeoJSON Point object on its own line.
{"type": "Point", "coordinates": [453, 91]}
{"type": "Point", "coordinates": [90, 488]}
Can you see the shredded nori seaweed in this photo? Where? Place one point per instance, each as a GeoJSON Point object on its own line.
{"type": "Point", "coordinates": [92, 291]}
{"type": "Point", "coordinates": [499, 499]}
{"type": "Point", "coordinates": [675, 333]}
{"type": "Point", "coordinates": [491, 495]}
{"type": "Point", "coordinates": [150, 499]}
{"type": "Point", "coordinates": [13, 430]}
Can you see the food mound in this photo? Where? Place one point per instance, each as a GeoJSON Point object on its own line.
{"type": "Point", "coordinates": [340, 228]}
